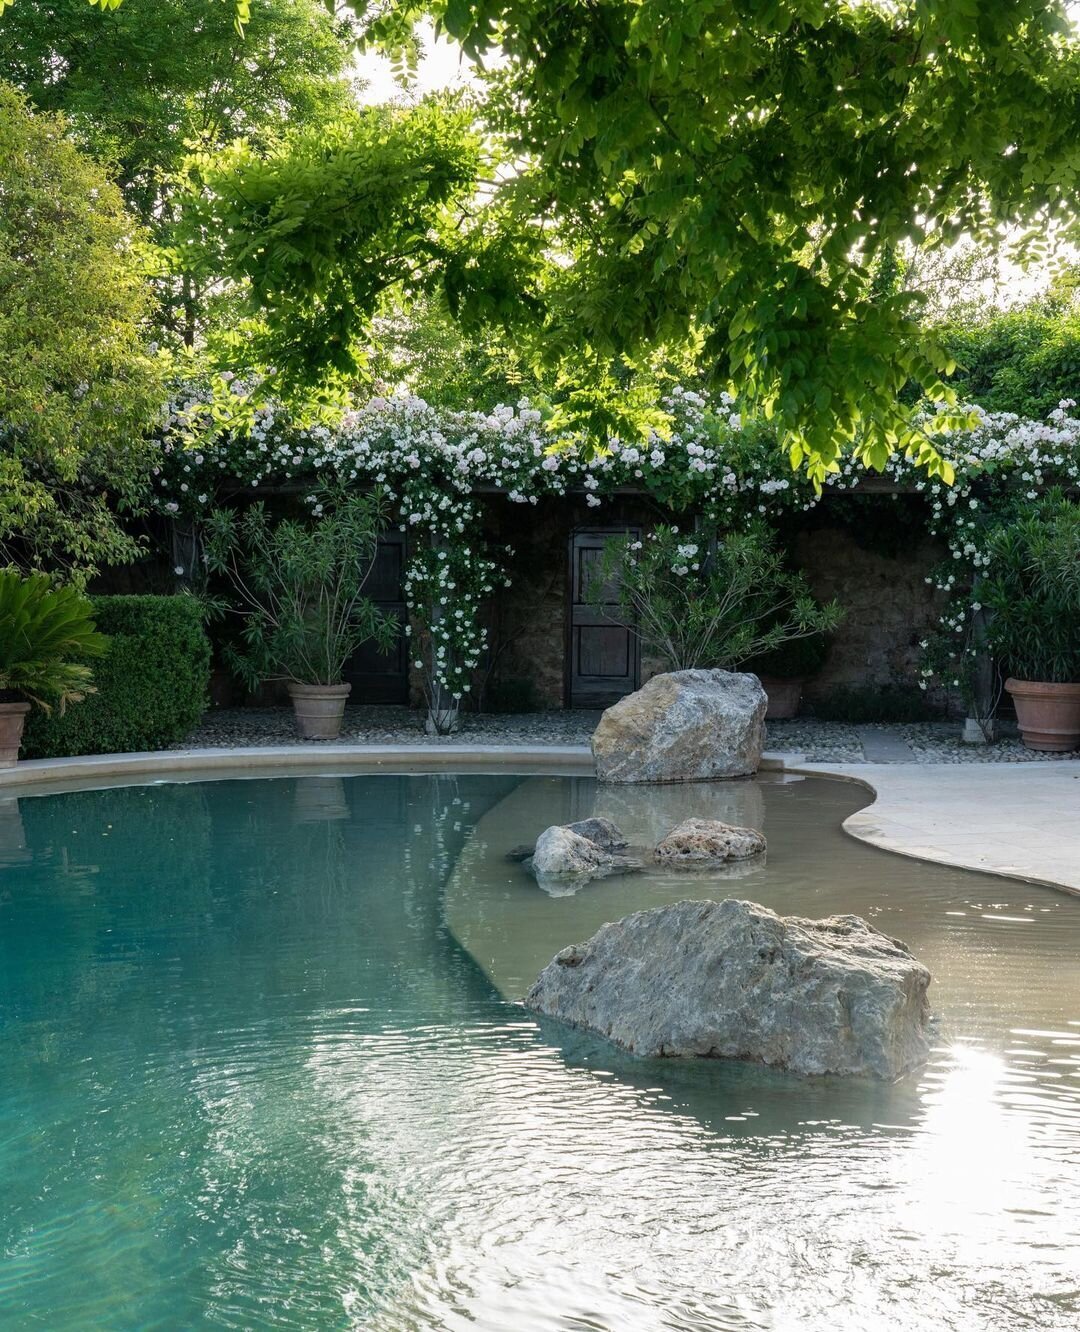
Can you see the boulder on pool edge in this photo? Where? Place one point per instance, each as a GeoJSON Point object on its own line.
{"type": "Point", "coordinates": [686, 726]}
{"type": "Point", "coordinates": [733, 980]}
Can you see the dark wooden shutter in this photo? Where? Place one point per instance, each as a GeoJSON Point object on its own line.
{"type": "Point", "coordinates": [383, 677]}
{"type": "Point", "coordinates": [604, 657]}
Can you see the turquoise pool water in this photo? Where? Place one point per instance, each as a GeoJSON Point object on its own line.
{"type": "Point", "coordinates": [260, 1067]}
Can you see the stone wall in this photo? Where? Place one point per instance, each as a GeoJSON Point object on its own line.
{"type": "Point", "coordinates": [881, 584]}
{"type": "Point", "coordinates": [889, 605]}
{"type": "Point", "coordinates": [873, 556]}
{"type": "Point", "coordinates": [529, 622]}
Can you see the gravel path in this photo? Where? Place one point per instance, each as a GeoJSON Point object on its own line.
{"type": "Point", "coordinates": [368, 725]}
{"type": "Point", "coordinates": [819, 741]}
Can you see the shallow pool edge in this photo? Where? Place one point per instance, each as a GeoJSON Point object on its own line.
{"type": "Point", "coordinates": [51, 776]}
{"type": "Point", "coordinates": [1013, 821]}
{"type": "Point", "coordinates": [946, 815]}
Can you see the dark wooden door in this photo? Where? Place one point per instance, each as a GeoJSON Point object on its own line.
{"type": "Point", "coordinates": [604, 659]}
{"type": "Point", "coordinates": [383, 677]}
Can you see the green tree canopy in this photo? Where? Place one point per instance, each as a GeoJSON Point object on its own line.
{"type": "Point", "coordinates": [77, 390]}
{"type": "Point", "coordinates": [729, 173]}
{"type": "Point", "coordinates": [320, 231]}
{"type": "Point", "coordinates": [143, 83]}
{"type": "Point", "coordinates": [735, 168]}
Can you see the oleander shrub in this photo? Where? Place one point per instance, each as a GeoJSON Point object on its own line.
{"type": "Point", "coordinates": [1032, 590]}
{"type": "Point", "coordinates": [150, 687]}
{"type": "Point", "coordinates": [709, 599]}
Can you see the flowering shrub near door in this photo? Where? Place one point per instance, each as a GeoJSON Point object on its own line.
{"type": "Point", "coordinates": [711, 599]}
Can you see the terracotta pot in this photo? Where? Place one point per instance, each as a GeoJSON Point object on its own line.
{"type": "Point", "coordinates": [1049, 714]}
{"type": "Point", "coordinates": [784, 696]}
{"type": "Point", "coordinates": [319, 709]}
{"type": "Point", "coordinates": [12, 716]}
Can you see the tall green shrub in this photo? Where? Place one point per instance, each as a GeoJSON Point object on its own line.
{"type": "Point", "coordinates": [78, 390]}
{"type": "Point", "coordinates": [300, 586]}
{"type": "Point", "coordinates": [151, 687]}
{"type": "Point", "coordinates": [709, 599]}
{"type": "Point", "coordinates": [1024, 361]}
{"type": "Point", "coordinates": [1032, 591]}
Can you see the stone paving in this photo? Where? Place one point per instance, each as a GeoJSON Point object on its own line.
{"type": "Point", "coordinates": [1021, 821]}
{"type": "Point", "coordinates": [817, 741]}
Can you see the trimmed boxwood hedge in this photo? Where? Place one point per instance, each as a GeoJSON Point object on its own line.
{"type": "Point", "coordinates": [151, 685]}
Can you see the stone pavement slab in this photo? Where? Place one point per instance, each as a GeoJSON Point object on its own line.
{"type": "Point", "coordinates": [880, 746]}
{"type": "Point", "coordinates": [1020, 820]}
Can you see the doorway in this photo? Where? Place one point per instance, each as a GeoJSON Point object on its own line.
{"type": "Point", "coordinates": [604, 658]}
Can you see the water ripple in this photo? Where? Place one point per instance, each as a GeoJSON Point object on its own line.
{"type": "Point", "coordinates": [256, 1083]}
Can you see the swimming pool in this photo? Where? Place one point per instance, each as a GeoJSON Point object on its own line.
{"type": "Point", "coordinates": [262, 1068]}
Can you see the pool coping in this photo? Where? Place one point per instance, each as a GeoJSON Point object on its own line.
{"type": "Point", "coordinates": [948, 814]}
{"type": "Point", "coordinates": [45, 776]}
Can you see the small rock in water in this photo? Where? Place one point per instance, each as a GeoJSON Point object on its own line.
{"type": "Point", "coordinates": [734, 980]}
{"type": "Point", "coordinates": [561, 852]}
{"type": "Point", "coordinates": [701, 843]}
{"type": "Point", "coordinates": [601, 831]}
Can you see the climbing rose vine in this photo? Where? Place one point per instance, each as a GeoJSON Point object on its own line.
{"type": "Point", "coordinates": [432, 461]}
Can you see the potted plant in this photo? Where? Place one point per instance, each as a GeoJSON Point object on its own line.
{"type": "Point", "coordinates": [1031, 591]}
{"type": "Point", "coordinates": [710, 600]}
{"type": "Point", "coordinates": [44, 631]}
{"type": "Point", "coordinates": [300, 587]}
{"type": "Point", "coordinates": [785, 670]}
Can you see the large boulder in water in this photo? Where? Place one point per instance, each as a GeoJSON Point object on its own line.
{"type": "Point", "coordinates": [686, 726]}
{"type": "Point", "coordinates": [734, 980]}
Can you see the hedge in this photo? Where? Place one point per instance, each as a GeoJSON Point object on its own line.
{"type": "Point", "coordinates": [151, 686]}
{"type": "Point", "coordinates": [1025, 360]}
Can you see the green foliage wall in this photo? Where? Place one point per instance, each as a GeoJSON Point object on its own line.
{"type": "Point", "coordinates": [78, 390]}
{"type": "Point", "coordinates": [151, 686]}
{"type": "Point", "coordinates": [1024, 361]}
